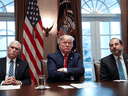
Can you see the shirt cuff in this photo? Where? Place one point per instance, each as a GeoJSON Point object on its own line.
{"type": "Point", "coordinates": [65, 70]}
{"type": "Point", "coordinates": [1, 83]}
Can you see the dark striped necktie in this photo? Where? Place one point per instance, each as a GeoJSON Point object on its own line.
{"type": "Point", "coordinates": [11, 68]}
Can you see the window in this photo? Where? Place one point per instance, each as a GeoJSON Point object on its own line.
{"type": "Point", "coordinates": [100, 23]}
{"type": "Point", "coordinates": [7, 25]}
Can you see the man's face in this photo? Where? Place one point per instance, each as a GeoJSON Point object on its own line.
{"type": "Point", "coordinates": [13, 50]}
{"type": "Point", "coordinates": [65, 45]}
{"type": "Point", "coordinates": [116, 47]}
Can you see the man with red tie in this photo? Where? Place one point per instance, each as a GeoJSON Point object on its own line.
{"type": "Point", "coordinates": [64, 65]}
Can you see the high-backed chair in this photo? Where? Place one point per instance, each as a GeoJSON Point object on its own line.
{"type": "Point", "coordinates": [44, 68]}
{"type": "Point", "coordinates": [97, 71]}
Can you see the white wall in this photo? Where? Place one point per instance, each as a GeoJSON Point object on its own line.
{"type": "Point", "coordinates": [48, 8]}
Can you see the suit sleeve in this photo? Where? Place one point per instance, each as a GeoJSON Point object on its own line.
{"type": "Point", "coordinates": [52, 67]}
{"type": "Point", "coordinates": [103, 71]}
{"type": "Point", "coordinates": [77, 69]}
{"type": "Point", "coordinates": [23, 74]}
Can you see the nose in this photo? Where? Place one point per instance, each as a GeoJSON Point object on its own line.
{"type": "Point", "coordinates": [67, 44]}
{"type": "Point", "coordinates": [14, 49]}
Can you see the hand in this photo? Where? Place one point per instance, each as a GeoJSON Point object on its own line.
{"type": "Point", "coordinates": [61, 70]}
{"type": "Point", "coordinates": [11, 81]}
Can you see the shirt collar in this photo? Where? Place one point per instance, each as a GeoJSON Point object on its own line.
{"type": "Point", "coordinates": [121, 57]}
{"type": "Point", "coordinates": [64, 54]}
{"type": "Point", "coordinates": [8, 60]}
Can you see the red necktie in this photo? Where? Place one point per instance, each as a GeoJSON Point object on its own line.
{"type": "Point", "coordinates": [65, 61]}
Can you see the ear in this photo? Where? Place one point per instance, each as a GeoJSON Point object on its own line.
{"type": "Point", "coordinates": [7, 48]}
{"type": "Point", "coordinates": [18, 52]}
{"type": "Point", "coordinates": [122, 46]}
{"type": "Point", "coordinates": [59, 45]}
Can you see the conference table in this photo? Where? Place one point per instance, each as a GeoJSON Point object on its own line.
{"type": "Point", "coordinates": [102, 89]}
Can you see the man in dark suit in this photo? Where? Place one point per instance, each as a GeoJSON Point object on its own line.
{"type": "Point", "coordinates": [110, 69]}
{"type": "Point", "coordinates": [57, 70]}
{"type": "Point", "coordinates": [20, 74]}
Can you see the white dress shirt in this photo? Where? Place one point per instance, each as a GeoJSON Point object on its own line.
{"type": "Point", "coordinates": [123, 65]}
{"type": "Point", "coordinates": [7, 68]}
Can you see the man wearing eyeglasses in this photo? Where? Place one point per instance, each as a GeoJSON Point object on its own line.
{"type": "Point", "coordinates": [14, 71]}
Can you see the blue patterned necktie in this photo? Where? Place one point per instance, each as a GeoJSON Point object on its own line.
{"type": "Point", "coordinates": [121, 72]}
{"type": "Point", "coordinates": [11, 69]}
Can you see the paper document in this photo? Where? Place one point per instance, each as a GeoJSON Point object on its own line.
{"type": "Point", "coordinates": [46, 87]}
{"type": "Point", "coordinates": [9, 87]}
{"type": "Point", "coordinates": [120, 80]}
{"type": "Point", "coordinates": [83, 85]}
{"type": "Point", "coordinates": [66, 87]}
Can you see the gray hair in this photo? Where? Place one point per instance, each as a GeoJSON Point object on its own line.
{"type": "Point", "coordinates": [15, 42]}
{"type": "Point", "coordinates": [65, 36]}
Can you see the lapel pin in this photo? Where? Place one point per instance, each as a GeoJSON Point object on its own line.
{"type": "Point", "coordinates": [17, 64]}
{"type": "Point", "coordinates": [127, 60]}
{"type": "Point", "coordinates": [71, 58]}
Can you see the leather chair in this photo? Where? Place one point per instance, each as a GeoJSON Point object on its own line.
{"type": "Point", "coordinates": [97, 71]}
{"type": "Point", "coordinates": [44, 68]}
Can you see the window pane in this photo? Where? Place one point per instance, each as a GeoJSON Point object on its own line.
{"type": "Point", "coordinates": [115, 27]}
{"type": "Point", "coordinates": [2, 8]}
{"type": "Point", "coordinates": [104, 27]}
{"type": "Point", "coordinates": [104, 41]}
{"type": "Point", "coordinates": [98, 5]}
{"type": "Point", "coordinates": [103, 7]}
{"type": "Point", "coordinates": [86, 8]}
{"type": "Point", "coordinates": [11, 28]}
{"type": "Point", "coordinates": [3, 43]}
{"type": "Point", "coordinates": [87, 55]}
{"type": "Point", "coordinates": [10, 7]}
{"type": "Point", "coordinates": [10, 39]}
{"type": "Point", "coordinates": [104, 12]}
{"type": "Point", "coordinates": [3, 54]}
{"type": "Point", "coordinates": [86, 28]}
{"type": "Point", "coordinates": [90, 5]}
{"type": "Point", "coordinates": [94, 4]}
{"type": "Point", "coordinates": [117, 36]}
{"type": "Point", "coordinates": [86, 41]}
{"type": "Point", "coordinates": [115, 9]}
{"type": "Point", "coordinates": [2, 28]}
{"type": "Point", "coordinates": [6, 1]}
{"type": "Point", "coordinates": [88, 69]}
{"type": "Point", "coordinates": [105, 53]}
{"type": "Point", "coordinates": [110, 2]}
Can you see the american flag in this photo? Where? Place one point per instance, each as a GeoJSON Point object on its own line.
{"type": "Point", "coordinates": [33, 40]}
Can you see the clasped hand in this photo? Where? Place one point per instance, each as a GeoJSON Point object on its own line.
{"type": "Point", "coordinates": [61, 69]}
{"type": "Point", "coordinates": [11, 81]}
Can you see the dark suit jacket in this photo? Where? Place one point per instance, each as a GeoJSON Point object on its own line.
{"type": "Point", "coordinates": [21, 71]}
{"type": "Point", "coordinates": [74, 66]}
{"type": "Point", "coordinates": [109, 70]}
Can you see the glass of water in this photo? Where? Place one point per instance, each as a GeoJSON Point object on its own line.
{"type": "Point", "coordinates": [41, 81]}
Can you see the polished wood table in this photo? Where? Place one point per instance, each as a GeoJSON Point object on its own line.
{"type": "Point", "coordinates": [102, 89]}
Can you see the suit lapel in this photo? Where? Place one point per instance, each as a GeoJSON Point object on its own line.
{"type": "Point", "coordinates": [70, 59]}
{"type": "Point", "coordinates": [4, 66]}
{"type": "Point", "coordinates": [17, 67]}
{"type": "Point", "coordinates": [113, 63]}
{"type": "Point", "coordinates": [60, 58]}
{"type": "Point", "coordinates": [126, 61]}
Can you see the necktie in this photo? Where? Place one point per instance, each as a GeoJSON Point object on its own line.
{"type": "Point", "coordinates": [120, 69]}
{"type": "Point", "coordinates": [11, 69]}
{"type": "Point", "coordinates": [65, 61]}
